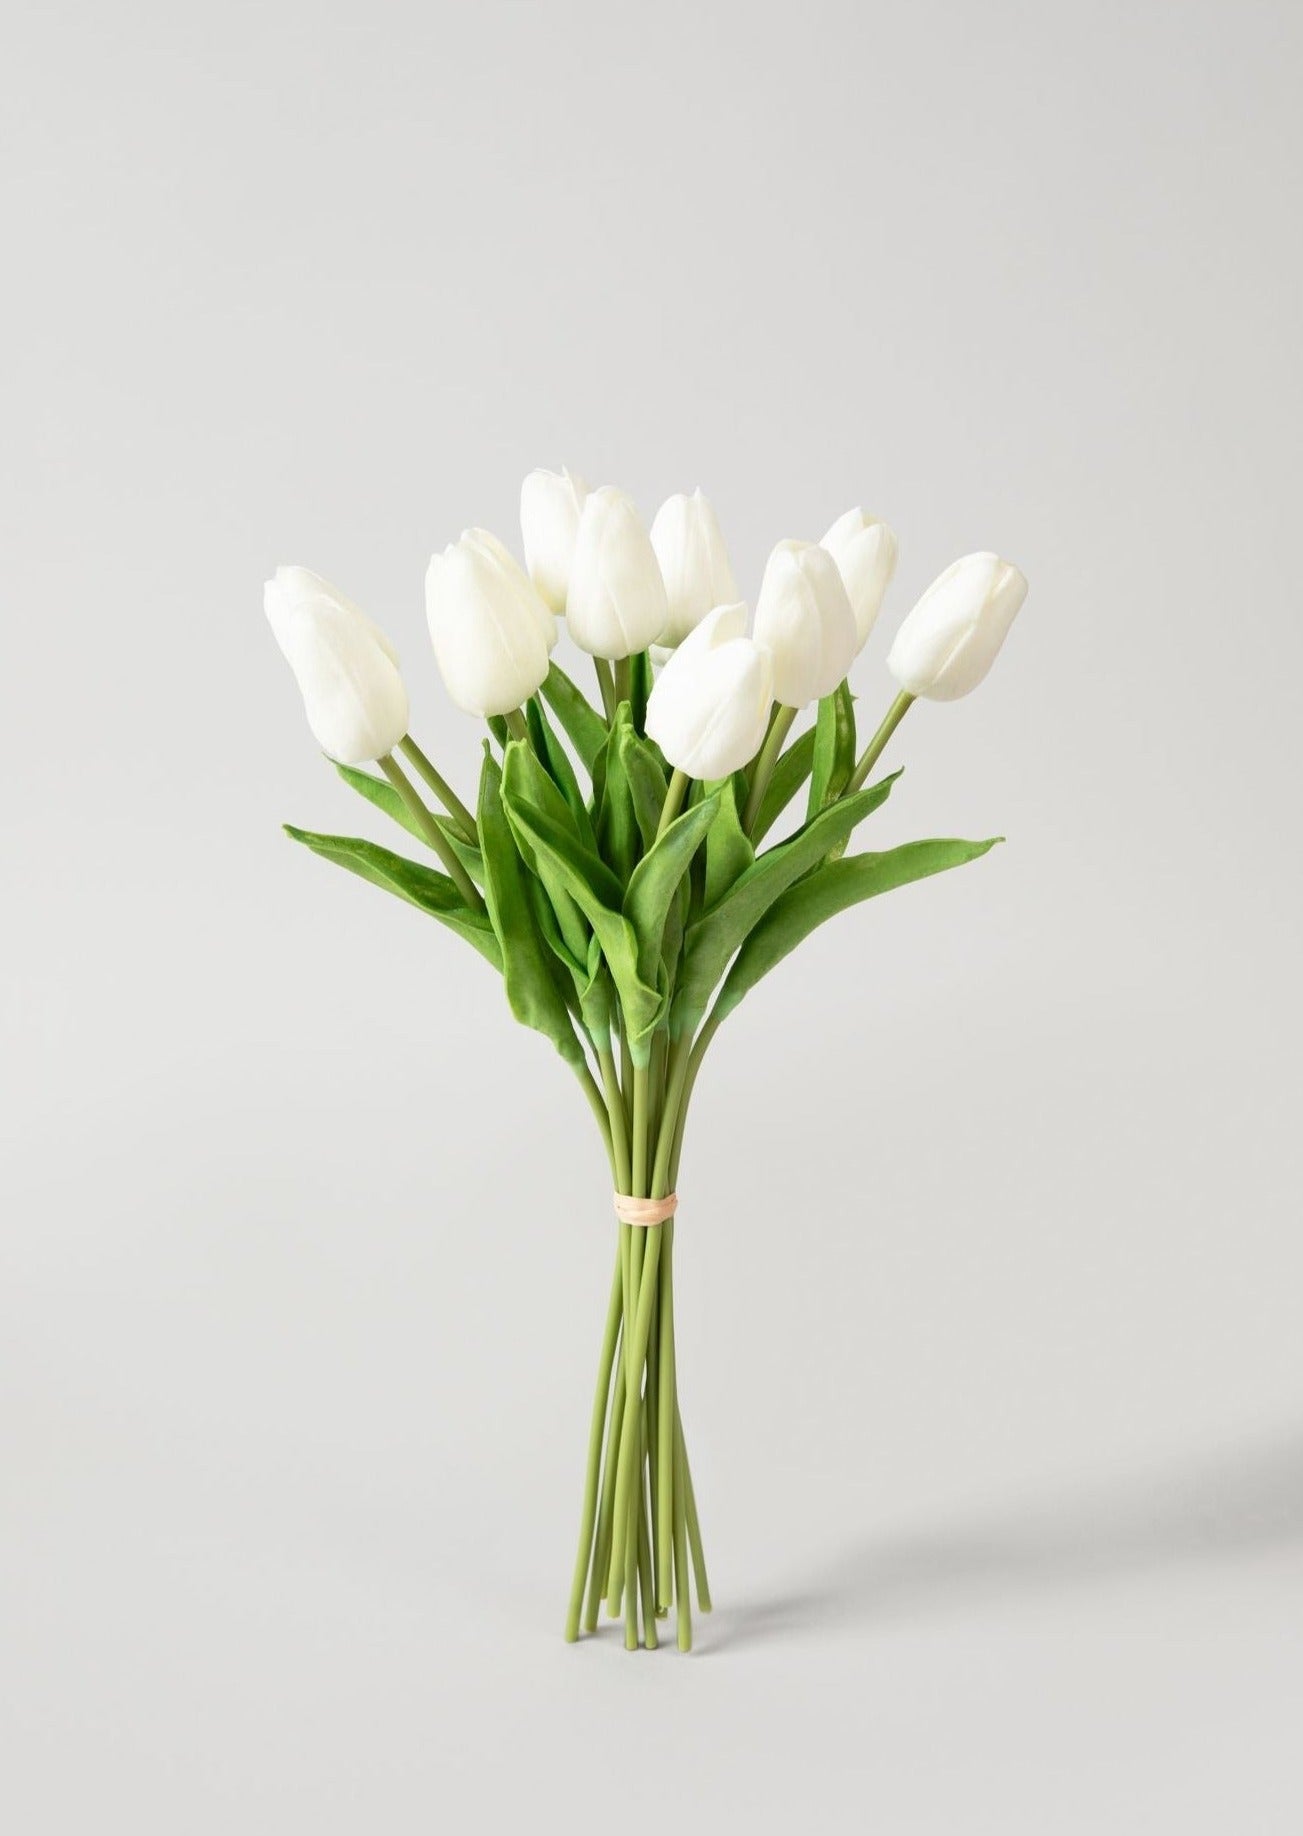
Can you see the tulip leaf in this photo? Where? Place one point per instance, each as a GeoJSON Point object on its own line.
{"type": "Point", "coordinates": [834, 749]}
{"type": "Point", "coordinates": [657, 878]}
{"type": "Point", "coordinates": [556, 761]}
{"type": "Point", "coordinates": [722, 929]}
{"type": "Point", "coordinates": [619, 832]}
{"type": "Point", "coordinates": [547, 838]}
{"type": "Point", "coordinates": [525, 779]}
{"type": "Point", "coordinates": [383, 795]}
{"type": "Point", "coordinates": [583, 725]}
{"type": "Point", "coordinates": [790, 773]}
{"type": "Point", "coordinates": [421, 886]}
{"type": "Point", "coordinates": [640, 687]}
{"type": "Point", "coordinates": [529, 969]}
{"type": "Point", "coordinates": [728, 847]}
{"type": "Point", "coordinates": [829, 890]}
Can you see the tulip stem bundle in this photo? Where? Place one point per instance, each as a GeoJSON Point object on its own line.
{"type": "Point", "coordinates": [616, 871]}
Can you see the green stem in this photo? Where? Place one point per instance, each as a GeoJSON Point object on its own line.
{"type": "Point", "coordinates": [606, 1511]}
{"type": "Point", "coordinates": [517, 726]}
{"type": "Point", "coordinates": [694, 1527]}
{"type": "Point", "coordinates": [596, 1425]}
{"type": "Point", "coordinates": [779, 728]}
{"type": "Point", "coordinates": [623, 673]}
{"type": "Point", "coordinates": [447, 796]}
{"type": "Point", "coordinates": [877, 745]}
{"type": "Point", "coordinates": [616, 1117]}
{"type": "Point", "coordinates": [646, 1574]}
{"type": "Point", "coordinates": [674, 796]}
{"type": "Point", "coordinates": [666, 1412]}
{"type": "Point", "coordinates": [433, 834]}
{"type": "Point", "coordinates": [606, 683]}
{"type": "Point", "coordinates": [681, 1582]}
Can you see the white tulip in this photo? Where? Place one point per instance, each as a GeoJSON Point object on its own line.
{"type": "Point", "coordinates": [804, 617]}
{"type": "Point", "coordinates": [550, 503]}
{"type": "Point", "coordinates": [951, 638]}
{"type": "Point", "coordinates": [710, 704]}
{"type": "Point", "coordinates": [864, 548]}
{"type": "Point", "coordinates": [694, 563]}
{"type": "Point", "coordinates": [616, 605]}
{"type": "Point", "coordinates": [345, 666]}
{"type": "Point", "coordinates": [492, 634]}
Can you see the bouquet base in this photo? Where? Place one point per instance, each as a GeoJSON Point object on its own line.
{"type": "Point", "coordinates": [640, 1543]}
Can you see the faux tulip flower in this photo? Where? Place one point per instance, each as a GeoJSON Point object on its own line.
{"type": "Point", "coordinates": [694, 563]}
{"type": "Point", "coordinates": [345, 666]}
{"type": "Point", "coordinates": [710, 705]}
{"type": "Point", "coordinates": [616, 604]}
{"type": "Point", "coordinates": [491, 632]}
{"type": "Point", "coordinates": [952, 636]}
{"type": "Point", "coordinates": [550, 505]}
{"type": "Point", "coordinates": [805, 619]}
{"type": "Point", "coordinates": [864, 548]}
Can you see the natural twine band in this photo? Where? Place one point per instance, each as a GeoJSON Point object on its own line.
{"type": "Point", "coordinates": [644, 1212]}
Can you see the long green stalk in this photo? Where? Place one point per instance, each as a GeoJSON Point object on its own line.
{"type": "Point", "coordinates": [433, 834]}
{"type": "Point", "coordinates": [461, 816]}
{"type": "Point", "coordinates": [596, 1425]}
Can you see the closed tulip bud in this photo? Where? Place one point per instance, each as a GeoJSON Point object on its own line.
{"type": "Point", "coordinates": [950, 639]}
{"type": "Point", "coordinates": [710, 704]}
{"type": "Point", "coordinates": [345, 666]}
{"type": "Point", "coordinates": [616, 604]}
{"type": "Point", "coordinates": [492, 634]}
{"type": "Point", "coordinates": [694, 563]}
{"type": "Point", "coordinates": [804, 617]}
{"type": "Point", "coordinates": [550, 503]}
{"type": "Point", "coordinates": [864, 548]}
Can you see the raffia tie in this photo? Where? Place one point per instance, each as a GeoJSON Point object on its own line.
{"type": "Point", "coordinates": [644, 1212]}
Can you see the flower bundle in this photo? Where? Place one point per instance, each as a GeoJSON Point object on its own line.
{"type": "Point", "coordinates": [614, 870]}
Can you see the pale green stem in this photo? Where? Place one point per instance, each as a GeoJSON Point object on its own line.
{"type": "Point", "coordinates": [601, 1549]}
{"type": "Point", "coordinates": [615, 1113]}
{"type": "Point", "coordinates": [517, 726]}
{"type": "Point", "coordinates": [447, 796]}
{"type": "Point", "coordinates": [681, 1583]}
{"type": "Point", "coordinates": [694, 1527]}
{"type": "Point", "coordinates": [674, 795]}
{"type": "Point", "coordinates": [623, 672]}
{"type": "Point", "coordinates": [433, 833]}
{"type": "Point", "coordinates": [877, 745]}
{"type": "Point", "coordinates": [606, 683]}
{"type": "Point", "coordinates": [779, 728]}
{"type": "Point", "coordinates": [596, 1425]}
{"type": "Point", "coordinates": [665, 1417]}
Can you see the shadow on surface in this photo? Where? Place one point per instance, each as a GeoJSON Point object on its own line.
{"type": "Point", "coordinates": [1246, 1502]}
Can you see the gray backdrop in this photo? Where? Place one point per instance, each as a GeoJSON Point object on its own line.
{"type": "Point", "coordinates": [990, 1262]}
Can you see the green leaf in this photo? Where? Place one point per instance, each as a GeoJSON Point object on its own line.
{"type": "Point", "coordinates": [728, 849]}
{"type": "Point", "coordinates": [657, 877]}
{"type": "Point", "coordinates": [528, 966]}
{"type": "Point", "coordinates": [721, 930]}
{"type": "Point", "coordinates": [640, 687]}
{"type": "Point", "coordinates": [832, 889]}
{"type": "Point", "coordinates": [834, 749]}
{"type": "Point", "coordinates": [431, 892]}
{"type": "Point", "coordinates": [619, 832]}
{"type": "Point", "coordinates": [382, 794]}
{"type": "Point", "coordinates": [556, 761]}
{"type": "Point", "coordinates": [525, 781]}
{"type": "Point", "coordinates": [790, 773]}
{"type": "Point", "coordinates": [643, 773]}
{"type": "Point", "coordinates": [583, 725]}
{"type": "Point", "coordinates": [547, 839]}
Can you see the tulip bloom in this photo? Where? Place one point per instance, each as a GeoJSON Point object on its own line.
{"type": "Point", "coordinates": [864, 548]}
{"type": "Point", "coordinates": [550, 504]}
{"type": "Point", "coordinates": [492, 634]}
{"type": "Point", "coordinates": [694, 563]}
{"type": "Point", "coordinates": [951, 638]}
{"type": "Point", "coordinates": [346, 668]}
{"type": "Point", "coordinates": [804, 617]}
{"type": "Point", "coordinates": [710, 705]}
{"type": "Point", "coordinates": [616, 605]}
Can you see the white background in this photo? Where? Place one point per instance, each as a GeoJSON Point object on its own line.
{"type": "Point", "coordinates": [990, 1260]}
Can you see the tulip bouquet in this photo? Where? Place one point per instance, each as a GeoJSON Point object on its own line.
{"type": "Point", "coordinates": [614, 870]}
